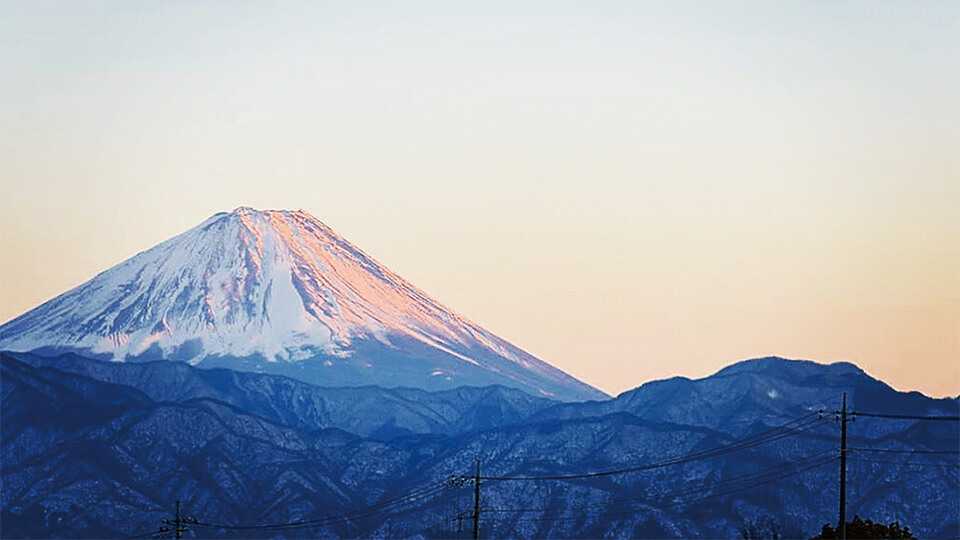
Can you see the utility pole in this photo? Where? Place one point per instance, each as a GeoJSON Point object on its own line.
{"type": "Point", "coordinates": [178, 528]}
{"type": "Point", "coordinates": [843, 469]}
{"type": "Point", "coordinates": [476, 502]}
{"type": "Point", "coordinates": [179, 523]}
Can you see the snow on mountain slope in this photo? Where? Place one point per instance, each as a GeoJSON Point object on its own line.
{"type": "Point", "coordinates": [279, 291]}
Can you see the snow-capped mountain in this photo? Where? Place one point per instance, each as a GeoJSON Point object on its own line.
{"type": "Point", "coordinates": [279, 291]}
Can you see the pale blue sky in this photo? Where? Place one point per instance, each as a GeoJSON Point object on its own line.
{"type": "Point", "coordinates": [627, 189]}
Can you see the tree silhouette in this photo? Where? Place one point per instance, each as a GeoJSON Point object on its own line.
{"type": "Point", "coordinates": [761, 529]}
{"type": "Point", "coordinates": [860, 529]}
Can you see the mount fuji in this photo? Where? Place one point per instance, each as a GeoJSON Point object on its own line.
{"type": "Point", "coordinates": [279, 291]}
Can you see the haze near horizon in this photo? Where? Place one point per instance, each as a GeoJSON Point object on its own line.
{"type": "Point", "coordinates": [627, 191]}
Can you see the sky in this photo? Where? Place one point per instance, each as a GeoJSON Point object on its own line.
{"type": "Point", "coordinates": [628, 190]}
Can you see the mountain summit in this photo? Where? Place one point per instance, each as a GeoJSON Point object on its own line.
{"type": "Point", "coordinates": [279, 291]}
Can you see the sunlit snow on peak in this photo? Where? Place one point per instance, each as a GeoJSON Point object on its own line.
{"type": "Point", "coordinates": [277, 284]}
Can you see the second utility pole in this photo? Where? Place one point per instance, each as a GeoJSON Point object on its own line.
{"type": "Point", "coordinates": [843, 469]}
{"type": "Point", "coordinates": [476, 503]}
{"type": "Point", "coordinates": [179, 523]}
{"type": "Point", "coordinates": [178, 527]}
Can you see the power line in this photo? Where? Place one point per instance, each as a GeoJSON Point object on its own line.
{"type": "Point", "coordinates": [731, 491]}
{"type": "Point", "coordinates": [817, 459]}
{"type": "Point", "coordinates": [919, 463]}
{"type": "Point", "coordinates": [765, 437]}
{"type": "Point", "coordinates": [755, 479]}
{"type": "Point", "coordinates": [328, 520]}
{"type": "Point", "coordinates": [907, 416]}
{"type": "Point", "coordinates": [814, 465]}
{"type": "Point", "coordinates": [390, 504]}
{"type": "Point", "coordinates": [719, 488]}
{"type": "Point", "coordinates": [150, 534]}
{"type": "Point", "coordinates": [844, 417]}
{"type": "Point", "coordinates": [332, 521]}
{"type": "Point", "coordinates": [786, 430]}
{"type": "Point", "coordinates": [899, 451]}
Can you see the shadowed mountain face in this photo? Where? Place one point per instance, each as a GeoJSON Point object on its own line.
{"type": "Point", "coordinates": [96, 449]}
{"type": "Point", "coordinates": [280, 292]}
{"type": "Point", "coordinates": [368, 411]}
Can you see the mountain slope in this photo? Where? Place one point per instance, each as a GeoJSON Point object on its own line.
{"type": "Point", "coordinates": [116, 470]}
{"type": "Point", "coordinates": [734, 398]}
{"type": "Point", "coordinates": [279, 291]}
{"type": "Point", "coordinates": [369, 411]}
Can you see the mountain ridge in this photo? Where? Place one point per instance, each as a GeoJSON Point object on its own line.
{"type": "Point", "coordinates": [235, 465]}
{"type": "Point", "coordinates": [386, 412]}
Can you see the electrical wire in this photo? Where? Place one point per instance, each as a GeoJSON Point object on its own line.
{"type": "Point", "coordinates": [906, 416]}
{"type": "Point", "coordinates": [705, 485]}
{"type": "Point", "coordinates": [765, 437]}
{"type": "Point", "coordinates": [726, 487]}
{"type": "Point", "coordinates": [811, 466]}
{"type": "Point", "coordinates": [919, 463]}
{"type": "Point", "coordinates": [329, 520]}
{"type": "Point", "coordinates": [632, 511]}
{"type": "Point", "coordinates": [771, 435]}
{"type": "Point", "coordinates": [899, 451]}
{"type": "Point", "coordinates": [150, 534]}
{"type": "Point", "coordinates": [817, 459]}
{"type": "Point", "coordinates": [749, 442]}
{"type": "Point", "coordinates": [390, 504]}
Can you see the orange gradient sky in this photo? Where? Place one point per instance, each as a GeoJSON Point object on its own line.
{"type": "Point", "coordinates": [628, 190]}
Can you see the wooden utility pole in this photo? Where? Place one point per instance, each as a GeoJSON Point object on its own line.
{"type": "Point", "coordinates": [843, 469]}
{"type": "Point", "coordinates": [476, 502]}
{"type": "Point", "coordinates": [179, 524]}
{"type": "Point", "coordinates": [178, 527]}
